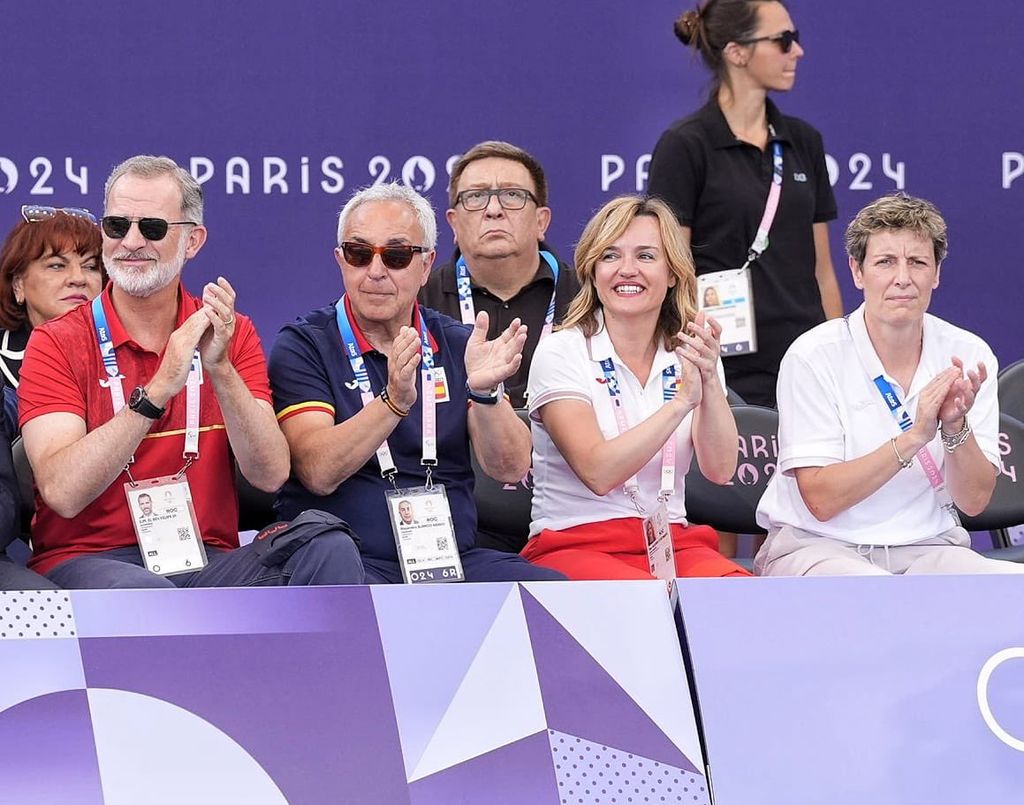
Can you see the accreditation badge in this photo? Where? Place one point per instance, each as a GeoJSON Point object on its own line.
{"type": "Point", "coordinates": [658, 538]}
{"type": "Point", "coordinates": [424, 534]}
{"type": "Point", "coordinates": [729, 297]}
{"type": "Point", "coordinates": [165, 525]}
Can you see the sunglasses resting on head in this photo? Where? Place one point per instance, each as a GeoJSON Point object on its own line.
{"type": "Point", "coordinates": [34, 213]}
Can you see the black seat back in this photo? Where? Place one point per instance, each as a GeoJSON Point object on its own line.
{"type": "Point", "coordinates": [731, 507]}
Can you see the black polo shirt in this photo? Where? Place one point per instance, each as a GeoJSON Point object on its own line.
{"type": "Point", "coordinates": [718, 186]}
{"type": "Point", "coordinates": [530, 305]}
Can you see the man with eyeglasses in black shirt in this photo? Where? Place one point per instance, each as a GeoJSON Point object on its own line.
{"type": "Point", "coordinates": [498, 213]}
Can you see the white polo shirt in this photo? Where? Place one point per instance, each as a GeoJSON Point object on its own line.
{"type": "Point", "coordinates": [566, 367]}
{"type": "Point", "coordinates": [830, 411]}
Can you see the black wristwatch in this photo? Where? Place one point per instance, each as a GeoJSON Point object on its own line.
{"type": "Point", "coordinates": [486, 399]}
{"type": "Point", "coordinates": [141, 404]}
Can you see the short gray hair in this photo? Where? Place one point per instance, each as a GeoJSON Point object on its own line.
{"type": "Point", "coordinates": [393, 191]}
{"type": "Point", "coordinates": [895, 212]}
{"type": "Point", "coordinates": [151, 167]}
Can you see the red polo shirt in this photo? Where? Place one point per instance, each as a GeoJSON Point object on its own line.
{"type": "Point", "coordinates": [62, 373]}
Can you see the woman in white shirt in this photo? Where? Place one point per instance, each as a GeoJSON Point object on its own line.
{"type": "Point", "coordinates": [888, 420]}
{"type": "Point", "coordinates": [621, 397]}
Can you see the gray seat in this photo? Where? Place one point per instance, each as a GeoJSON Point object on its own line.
{"type": "Point", "coordinates": [1010, 389]}
{"type": "Point", "coordinates": [1006, 508]}
{"type": "Point", "coordinates": [733, 398]}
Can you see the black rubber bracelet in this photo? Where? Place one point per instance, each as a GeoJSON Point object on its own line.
{"type": "Point", "coordinates": [484, 399]}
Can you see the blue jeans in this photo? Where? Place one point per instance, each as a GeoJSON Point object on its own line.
{"type": "Point", "coordinates": [479, 564]}
{"type": "Point", "coordinates": [327, 559]}
{"type": "Point", "coordinates": [16, 577]}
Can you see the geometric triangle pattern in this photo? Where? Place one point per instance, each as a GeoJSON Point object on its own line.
{"type": "Point", "coordinates": [595, 615]}
{"type": "Point", "coordinates": [427, 661]}
{"type": "Point", "coordinates": [581, 699]}
{"type": "Point", "coordinates": [591, 773]}
{"type": "Point", "coordinates": [518, 773]}
{"type": "Point", "coordinates": [478, 719]}
{"type": "Point", "coordinates": [502, 693]}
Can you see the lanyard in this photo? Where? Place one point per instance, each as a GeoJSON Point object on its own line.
{"type": "Point", "coordinates": [771, 206]}
{"type": "Point", "coordinates": [355, 359]}
{"type": "Point", "coordinates": [669, 386]}
{"type": "Point", "coordinates": [116, 386]}
{"type": "Point", "coordinates": [904, 422]}
{"type": "Point", "coordinates": [468, 310]}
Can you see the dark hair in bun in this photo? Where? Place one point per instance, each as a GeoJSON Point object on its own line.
{"type": "Point", "coordinates": [713, 25]}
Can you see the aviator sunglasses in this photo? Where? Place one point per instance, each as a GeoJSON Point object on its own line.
{"type": "Point", "coordinates": [360, 255]}
{"type": "Point", "coordinates": [784, 40]}
{"type": "Point", "coordinates": [117, 226]}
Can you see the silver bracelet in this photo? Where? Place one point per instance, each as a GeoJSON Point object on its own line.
{"type": "Point", "coordinates": [905, 463]}
{"type": "Point", "coordinates": [952, 441]}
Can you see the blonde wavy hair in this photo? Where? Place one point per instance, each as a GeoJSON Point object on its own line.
{"type": "Point", "coordinates": [608, 225]}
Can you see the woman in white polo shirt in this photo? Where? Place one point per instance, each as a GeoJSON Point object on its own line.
{"type": "Point", "coordinates": [620, 399]}
{"type": "Point", "coordinates": [886, 419]}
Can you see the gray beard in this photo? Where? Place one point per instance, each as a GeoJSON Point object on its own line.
{"type": "Point", "coordinates": [143, 283]}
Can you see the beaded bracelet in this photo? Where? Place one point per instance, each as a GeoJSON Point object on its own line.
{"type": "Point", "coordinates": [951, 441]}
{"type": "Point", "coordinates": [905, 463]}
{"type": "Point", "coordinates": [394, 409]}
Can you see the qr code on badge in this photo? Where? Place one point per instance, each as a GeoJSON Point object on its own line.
{"type": "Point", "coordinates": [184, 534]}
{"type": "Point", "coordinates": [442, 543]}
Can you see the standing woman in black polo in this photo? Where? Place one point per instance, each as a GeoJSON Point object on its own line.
{"type": "Point", "coordinates": [716, 169]}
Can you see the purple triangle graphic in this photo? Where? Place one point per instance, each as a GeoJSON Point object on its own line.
{"type": "Point", "coordinates": [519, 772]}
{"type": "Point", "coordinates": [581, 698]}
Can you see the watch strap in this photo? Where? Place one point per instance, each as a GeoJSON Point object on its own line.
{"type": "Point", "coordinates": [486, 399]}
{"type": "Point", "coordinates": [140, 403]}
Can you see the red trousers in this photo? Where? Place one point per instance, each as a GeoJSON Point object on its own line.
{"type": "Point", "coordinates": [616, 549]}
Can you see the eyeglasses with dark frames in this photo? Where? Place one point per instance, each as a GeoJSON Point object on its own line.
{"type": "Point", "coordinates": [510, 198]}
{"type": "Point", "coordinates": [393, 256]}
{"type": "Point", "coordinates": [784, 40]}
{"type": "Point", "coordinates": [153, 229]}
{"type": "Point", "coordinates": [34, 213]}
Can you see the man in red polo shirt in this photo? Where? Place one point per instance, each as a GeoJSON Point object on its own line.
{"type": "Point", "coordinates": [144, 401]}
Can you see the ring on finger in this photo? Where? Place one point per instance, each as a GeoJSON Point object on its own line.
{"type": "Point", "coordinates": [230, 320]}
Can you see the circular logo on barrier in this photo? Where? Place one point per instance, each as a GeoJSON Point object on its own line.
{"type": "Point", "coordinates": [993, 662]}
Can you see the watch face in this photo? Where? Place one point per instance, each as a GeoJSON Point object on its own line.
{"type": "Point", "coordinates": [136, 396]}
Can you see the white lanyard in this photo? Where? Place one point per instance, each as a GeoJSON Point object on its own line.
{"type": "Point", "coordinates": [467, 309]}
{"type": "Point", "coordinates": [116, 386]}
{"type": "Point", "coordinates": [669, 385]}
{"type": "Point", "coordinates": [429, 395]}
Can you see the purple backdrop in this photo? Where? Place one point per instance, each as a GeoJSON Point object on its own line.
{"type": "Point", "coordinates": [330, 96]}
